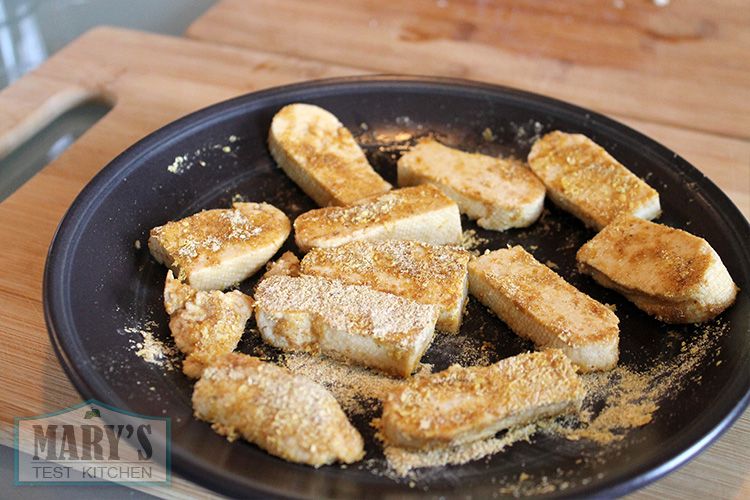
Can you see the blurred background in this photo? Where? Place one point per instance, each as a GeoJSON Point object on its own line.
{"type": "Point", "coordinates": [32, 30]}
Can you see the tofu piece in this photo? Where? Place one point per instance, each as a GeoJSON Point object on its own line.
{"type": "Point", "coordinates": [421, 213]}
{"type": "Point", "coordinates": [287, 415]}
{"type": "Point", "coordinates": [585, 180]}
{"type": "Point", "coordinates": [286, 265]}
{"type": "Point", "coordinates": [668, 273]}
{"type": "Point", "coordinates": [349, 322]}
{"type": "Point", "coordinates": [499, 194]}
{"type": "Point", "coordinates": [318, 153]}
{"type": "Point", "coordinates": [465, 404]}
{"type": "Point", "coordinates": [539, 305]}
{"type": "Point", "coordinates": [204, 325]}
{"type": "Point", "coordinates": [429, 274]}
{"type": "Point", "coordinates": [214, 249]}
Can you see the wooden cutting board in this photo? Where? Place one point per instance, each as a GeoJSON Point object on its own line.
{"type": "Point", "coordinates": [151, 80]}
{"type": "Point", "coordinates": [685, 63]}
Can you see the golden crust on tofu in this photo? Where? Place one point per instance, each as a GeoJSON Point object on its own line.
{"type": "Point", "coordinates": [289, 416]}
{"type": "Point", "coordinates": [668, 273]}
{"type": "Point", "coordinates": [217, 248]}
{"type": "Point", "coordinates": [204, 324]}
{"type": "Point", "coordinates": [539, 305]}
{"type": "Point", "coordinates": [421, 213]}
{"type": "Point", "coordinates": [429, 274]}
{"type": "Point", "coordinates": [466, 404]}
{"type": "Point", "coordinates": [286, 265]}
{"type": "Point", "coordinates": [585, 180]}
{"type": "Point", "coordinates": [350, 322]}
{"type": "Point", "coordinates": [318, 153]}
{"type": "Point", "coordinates": [498, 193]}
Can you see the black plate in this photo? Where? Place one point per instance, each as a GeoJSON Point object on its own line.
{"type": "Point", "coordinates": [101, 287]}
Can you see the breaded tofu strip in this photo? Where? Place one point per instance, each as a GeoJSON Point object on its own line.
{"type": "Point", "coordinates": [466, 404]}
{"type": "Point", "coordinates": [539, 305]}
{"type": "Point", "coordinates": [204, 324]}
{"type": "Point", "coordinates": [318, 153]}
{"type": "Point", "coordinates": [287, 415]}
{"type": "Point", "coordinates": [350, 322]}
{"type": "Point", "coordinates": [217, 248]}
{"type": "Point", "coordinates": [429, 274]}
{"type": "Point", "coordinates": [668, 273]}
{"type": "Point", "coordinates": [585, 180]}
{"type": "Point", "coordinates": [421, 213]}
{"type": "Point", "coordinates": [499, 194]}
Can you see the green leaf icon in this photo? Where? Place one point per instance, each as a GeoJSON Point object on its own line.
{"type": "Point", "coordinates": [91, 414]}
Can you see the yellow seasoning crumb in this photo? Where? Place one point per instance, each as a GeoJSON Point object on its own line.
{"type": "Point", "coordinates": [179, 165]}
{"type": "Point", "coordinates": [488, 136]}
{"type": "Point", "coordinates": [470, 241]}
{"type": "Point", "coordinates": [150, 349]}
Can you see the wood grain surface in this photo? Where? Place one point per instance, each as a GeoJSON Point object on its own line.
{"type": "Point", "coordinates": [684, 64]}
{"type": "Point", "coordinates": [679, 73]}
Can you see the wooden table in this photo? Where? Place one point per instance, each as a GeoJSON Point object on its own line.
{"type": "Point", "coordinates": [679, 73]}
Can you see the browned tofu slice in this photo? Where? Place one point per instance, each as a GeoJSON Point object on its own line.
{"type": "Point", "coordinates": [539, 305]}
{"type": "Point", "coordinates": [499, 194]}
{"type": "Point", "coordinates": [214, 249]}
{"type": "Point", "coordinates": [351, 322]}
{"type": "Point", "coordinates": [421, 213]}
{"type": "Point", "coordinates": [287, 415]}
{"type": "Point", "coordinates": [429, 274]}
{"type": "Point", "coordinates": [466, 404]}
{"type": "Point", "coordinates": [668, 273]}
{"type": "Point", "coordinates": [318, 153]}
{"type": "Point", "coordinates": [584, 179]}
{"type": "Point", "coordinates": [204, 324]}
